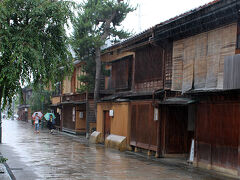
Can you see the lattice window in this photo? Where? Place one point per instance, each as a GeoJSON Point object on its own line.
{"type": "Point", "coordinates": [121, 73]}
{"type": "Point", "coordinates": [148, 65]}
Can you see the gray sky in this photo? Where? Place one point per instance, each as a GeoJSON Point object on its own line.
{"type": "Point", "coordinates": [152, 12]}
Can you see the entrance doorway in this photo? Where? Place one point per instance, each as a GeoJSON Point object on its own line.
{"type": "Point", "coordinates": [107, 124]}
{"type": "Point", "coordinates": [177, 138]}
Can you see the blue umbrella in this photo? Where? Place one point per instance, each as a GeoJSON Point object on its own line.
{"type": "Point", "coordinates": [47, 116]}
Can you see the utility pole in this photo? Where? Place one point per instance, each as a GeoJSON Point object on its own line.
{"type": "Point", "coordinates": [139, 18]}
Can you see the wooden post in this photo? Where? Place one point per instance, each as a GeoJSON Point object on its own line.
{"type": "Point", "coordinates": [159, 135]}
{"type": "Point", "coordinates": [149, 128]}
{"type": "Point", "coordinates": [87, 115]}
{"type": "Point", "coordinates": [196, 146]}
{"type": "Point", "coordinates": [149, 152]}
{"type": "Point", "coordinates": [238, 149]}
{"type": "Point", "coordinates": [209, 120]}
{"type": "Point", "coordinates": [133, 73]}
{"type": "Point", "coordinates": [163, 131]}
{"type": "Point", "coordinates": [135, 149]}
{"type": "Point", "coordinates": [62, 117]}
{"type": "Point", "coordinates": [136, 126]}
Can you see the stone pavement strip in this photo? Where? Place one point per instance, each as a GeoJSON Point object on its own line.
{"type": "Point", "coordinates": [4, 173]}
{"type": "Point", "coordinates": [45, 156]}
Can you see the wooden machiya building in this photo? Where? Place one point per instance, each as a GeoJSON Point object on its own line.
{"type": "Point", "coordinates": [205, 72]}
{"type": "Point", "coordinates": [75, 109]}
{"type": "Point", "coordinates": [139, 68]}
{"type": "Point", "coordinates": [176, 82]}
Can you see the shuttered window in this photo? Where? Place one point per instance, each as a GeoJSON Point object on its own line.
{"type": "Point", "coordinates": [149, 64]}
{"type": "Point", "coordinates": [121, 73]}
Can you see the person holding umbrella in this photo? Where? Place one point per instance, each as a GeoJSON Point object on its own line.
{"type": "Point", "coordinates": [36, 119]}
{"type": "Point", "coordinates": [37, 113]}
{"type": "Point", "coordinates": [50, 118]}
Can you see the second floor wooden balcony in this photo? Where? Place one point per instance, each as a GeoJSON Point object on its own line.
{"type": "Point", "coordinates": [74, 97]}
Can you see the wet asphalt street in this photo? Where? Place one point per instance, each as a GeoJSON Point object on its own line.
{"type": "Point", "coordinates": [59, 156]}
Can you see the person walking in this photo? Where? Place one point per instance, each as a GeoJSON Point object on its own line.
{"type": "Point", "coordinates": [50, 124]}
{"type": "Point", "coordinates": [36, 122]}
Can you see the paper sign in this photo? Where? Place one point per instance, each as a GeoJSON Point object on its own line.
{"type": "Point", "coordinates": [111, 113]}
{"type": "Point", "coordinates": [155, 114]}
{"type": "Point", "coordinates": [81, 115]}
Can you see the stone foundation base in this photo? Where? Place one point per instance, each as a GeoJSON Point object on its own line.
{"type": "Point", "coordinates": [225, 171]}
{"type": "Point", "coordinates": [116, 142]}
{"type": "Point", "coordinates": [95, 137]}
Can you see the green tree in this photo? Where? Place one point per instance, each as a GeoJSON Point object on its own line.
{"type": "Point", "coordinates": [40, 100]}
{"type": "Point", "coordinates": [33, 43]}
{"type": "Point", "coordinates": [98, 21]}
{"type": "Point", "coordinates": [88, 78]}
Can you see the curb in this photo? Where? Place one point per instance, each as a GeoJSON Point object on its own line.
{"type": "Point", "coordinates": [9, 171]}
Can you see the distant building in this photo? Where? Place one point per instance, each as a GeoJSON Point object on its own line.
{"type": "Point", "coordinates": [24, 111]}
{"type": "Point", "coordinates": [74, 109]}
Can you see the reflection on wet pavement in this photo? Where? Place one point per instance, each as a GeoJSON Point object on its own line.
{"type": "Point", "coordinates": [64, 157]}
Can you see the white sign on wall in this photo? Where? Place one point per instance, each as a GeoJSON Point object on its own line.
{"type": "Point", "coordinates": [58, 110]}
{"type": "Point", "coordinates": [111, 113]}
{"type": "Point", "coordinates": [155, 114]}
{"type": "Point", "coordinates": [73, 114]}
{"type": "Point", "coordinates": [81, 115]}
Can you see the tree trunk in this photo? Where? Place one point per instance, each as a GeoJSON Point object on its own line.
{"type": "Point", "coordinates": [106, 33]}
{"type": "Point", "coordinates": [97, 79]}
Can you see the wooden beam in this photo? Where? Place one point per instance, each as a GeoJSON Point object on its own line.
{"type": "Point", "coordinates": [114, 57]}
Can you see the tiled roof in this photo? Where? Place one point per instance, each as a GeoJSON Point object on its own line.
{"type": "Point", "coordinates": [164, 23]}
{"type": "Point", "coordinates": [188, 13]}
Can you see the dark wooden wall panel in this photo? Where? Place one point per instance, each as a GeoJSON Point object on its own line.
{"type": "Point", "coordinates": [204, 152]}
{"type": "Point", "coordinates": [149, 64]}
{"type": "Point", "coordinates": [122, 74]}
{"type": "Point", "coordinates": [225, 156]}
{"type": "Point", "coordinates": [91, 111]}
{"type": "Point", "coordinates": [217, 133]}
{"type": "Point", "coordinates": [142, 130]}
{"type": "Point", "coordinates": [133, 124]}
{"type": "Point", "coordinates": [143, 127]}
{"type": "Point", "coordinates": [67, 117]}
{"type": "Point", "coordinates": [153, 68]}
